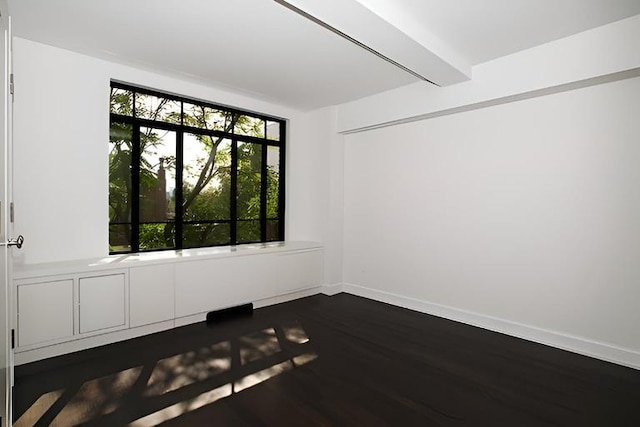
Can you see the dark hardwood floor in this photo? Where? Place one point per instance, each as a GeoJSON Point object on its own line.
{"type": "Point", "coordinates": [327, 361]}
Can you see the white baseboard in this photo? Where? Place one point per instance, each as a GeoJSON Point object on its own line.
{"type": "Point", "coordinates": [290, 296]}
{"type": "Point", "coordinates": [580, 345]}
{"type": "Point", "coordinates": [333, 289]}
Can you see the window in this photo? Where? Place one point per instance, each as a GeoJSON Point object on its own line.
{"type": "Point", "coordinates": [185, 173]}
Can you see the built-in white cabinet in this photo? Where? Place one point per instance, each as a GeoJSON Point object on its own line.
{"type": "Point", "coordinates": [151, 294]}
{"type": "Point", "coordinates": [67, 307]}
{"type": "Point", "coordinates": [54, 309]}
{"type": "Point", "coordinates": [299, 270]}
{"type": "Point", "coordinates": [208, 285]}
{"type": "Point", "coordinates": [44, 311]}
{"type": "Point", "coordinates": [102, 302]}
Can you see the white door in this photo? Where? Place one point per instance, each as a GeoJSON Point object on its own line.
{"type": "Point", "coordinates": [6, 354]}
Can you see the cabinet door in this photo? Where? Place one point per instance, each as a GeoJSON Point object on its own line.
{"type": "Point", "coordinates": [299, 270]}
{"type": "Point", "coordinates": [151, 294]}
{"type": "Point", "coordinates": [205, 285]}
{"type": "Point", "coordinates": [102, 302]}
{"type": "Point", "coordinates": [208, 285]}
{"type": "Point", "coordinates": [45, 312]}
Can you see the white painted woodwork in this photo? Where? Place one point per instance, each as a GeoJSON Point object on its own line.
{"type": "Point", "coordinates": [151, 294]}
{"type": "Point", "coordinates": [210, 285]}
{"type": "Point", "coordinates": [45, 311]}
{"type": "Point", "coordinates": [102, 302]}
{"type": "Point", "coordinates": [299, 270]}
{"type": "Point", "coordinates": [258, 277]}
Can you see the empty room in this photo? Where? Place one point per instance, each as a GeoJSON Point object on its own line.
{"type": "Point", "coordinates": [320, 213]}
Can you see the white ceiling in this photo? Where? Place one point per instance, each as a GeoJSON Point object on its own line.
{"type": "Point", "coordinates": [259, 47]}
{"type": "Point", "coordinates": [481, 30]}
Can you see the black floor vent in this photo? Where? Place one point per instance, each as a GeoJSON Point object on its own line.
{"type": "Point", "coordinates": [244, 310]}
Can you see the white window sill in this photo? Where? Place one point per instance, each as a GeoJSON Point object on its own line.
{"type": "Point", "coordinates": [22, 271]}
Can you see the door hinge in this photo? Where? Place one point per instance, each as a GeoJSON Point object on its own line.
{"type": "Point", "coordinates": [11, 212]}
{"type": "Point", "coordinates": [11, 83]}
{"type": "Point", "coordinates": [13, 339]}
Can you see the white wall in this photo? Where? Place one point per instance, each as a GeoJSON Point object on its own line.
{"type": "Point", "coordinates": [334, 234]}
{"type": "Point", "coordinates": [526, 212]}
{"type": "Point", "coordinates": [61, 132]}
{"type": "Point", "coordinates": [319, 154]}
{"type": "Point", "coordinates": [310, 132]}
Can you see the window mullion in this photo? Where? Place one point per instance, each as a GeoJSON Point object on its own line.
{"type": "Point", "coordinates": [263, 195]}
{"type": "Point", "coordinates": [135, 189]}
{"type": "Point", "coordinates": [282, 179]}
{"type": "Point", "coordinates": [179, 214]}
{"type": "Point", "coordinates": [233, 202]}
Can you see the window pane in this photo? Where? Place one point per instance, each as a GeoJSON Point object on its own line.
{"type": "Point", "coordinates": [121, 102]}
{"type": "Point", "coordinates": [157, 236]}
{"type": "Point", "coordinates": [273, 131]}
{"type": "Point", "coordinates": [249, 180]}
{"type": "Point", "coordinates": [208, 118]}
{"type": "Point", "coordinates": [198, 235]}
{"type": "Point", "coordinates": [206, 189]}
{"type": "Point", "coordinates": [157, 175]}
{"type": "Point", "coordinates": [251, 126]}
{"type": "Point", "coordinates": [155, 108]}
{"type": "Point", "coordinates": [120, 191]}
{"type": "Point", "coordinates": [273, 181]}
{"type": "Point", "coordinates": [119, 237]}
{"type": "Point", "coordinates": [273, 230]}
{"type": "Point", "coordinates": [248, 231]}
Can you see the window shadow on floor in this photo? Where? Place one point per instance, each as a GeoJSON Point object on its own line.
{"type": "Point", "coordinates": [149, 381]}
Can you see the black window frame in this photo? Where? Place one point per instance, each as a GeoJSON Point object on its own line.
{"type": "Point", "coordinates": [180, 129]}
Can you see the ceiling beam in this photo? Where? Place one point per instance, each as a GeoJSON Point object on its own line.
{"type": "Point", "coordinates": [358, 24]}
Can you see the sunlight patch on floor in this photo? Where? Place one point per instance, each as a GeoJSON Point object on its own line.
{"type": "Point", "coordinates": [183, 407]}
{"type": "Point", "coordinates": [97, 397]}
{"type": "Point", "coordinates": [38, 409]}
{"type": "Point", "coordinates": [258, 345]}
{"type": "Point", "coordinates": [295, 333]}
{"type": "Point", "coordinates": [226, 390]}
{"type": "Point", "coordinates": [304, 359]}
{"type": "Point", "coordinates": [260, 376]}
{"type": "Point", "coordinates": [184, 369]}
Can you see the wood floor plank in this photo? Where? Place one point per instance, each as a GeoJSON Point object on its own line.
{"type": "Point", "coordinates": [327, 361]}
